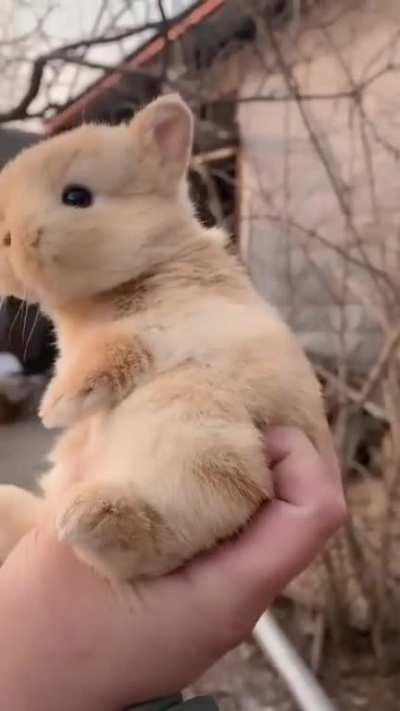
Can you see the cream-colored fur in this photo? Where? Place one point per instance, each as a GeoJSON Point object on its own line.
{"type": "Point", "coordinates": [170, 364]}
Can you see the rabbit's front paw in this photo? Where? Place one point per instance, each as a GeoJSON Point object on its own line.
{"type": "Point", "coordinates": [67, 400]}
{"type": "Point", "coordinates": [104, 373]}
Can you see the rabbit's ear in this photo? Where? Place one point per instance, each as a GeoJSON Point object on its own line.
{"type": "Point", "coordinates": [164, 134]}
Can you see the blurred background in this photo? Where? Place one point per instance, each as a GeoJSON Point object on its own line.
{"type": "Point", "coordinates": [297, 151]}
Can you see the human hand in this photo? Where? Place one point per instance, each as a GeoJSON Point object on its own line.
{"type": "Point", "coordinates": [71, 640]}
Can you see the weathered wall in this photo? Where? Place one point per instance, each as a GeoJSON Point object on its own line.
{"type": "Point", "coordinates": [292, 189]}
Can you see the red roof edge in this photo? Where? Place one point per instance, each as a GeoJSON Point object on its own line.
{"type": "Point", "coordinates": [71, 113]}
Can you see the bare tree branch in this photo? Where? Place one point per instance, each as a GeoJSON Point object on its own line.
{"type": "Point", "coordinates": [65, 53]}
{"type": "Point", "coordinates": [20, 110]}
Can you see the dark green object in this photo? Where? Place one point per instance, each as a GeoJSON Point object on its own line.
{"type": "Point", "coordinates": [176, 703]}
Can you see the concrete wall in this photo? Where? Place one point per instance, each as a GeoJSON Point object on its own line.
{"type": "Point", "coordinates": [293, 229]}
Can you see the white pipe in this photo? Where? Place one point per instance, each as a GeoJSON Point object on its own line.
{"type": "Point", "coordinates": [290, 666]}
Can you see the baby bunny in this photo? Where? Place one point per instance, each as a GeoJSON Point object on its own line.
{"type": "Point", "coordinates": [170, 365]}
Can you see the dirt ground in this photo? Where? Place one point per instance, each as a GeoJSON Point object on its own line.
{"type": "Point", "coordinates": [23, 447]}
{"type": "Point", "coordinates": [243, 679]}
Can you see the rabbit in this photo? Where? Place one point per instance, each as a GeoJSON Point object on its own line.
{"type": "Point", "coordinates": [170, 364]}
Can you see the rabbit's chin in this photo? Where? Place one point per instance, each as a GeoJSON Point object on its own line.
{"type": "Point", "coordinates": [49, 286]}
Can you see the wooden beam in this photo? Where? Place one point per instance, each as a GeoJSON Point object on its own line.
{"type": "Point", "coordinates": [214, 156]}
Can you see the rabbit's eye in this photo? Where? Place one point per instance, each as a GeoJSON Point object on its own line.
{"type": "Point", "coordinates": [77, 196]}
